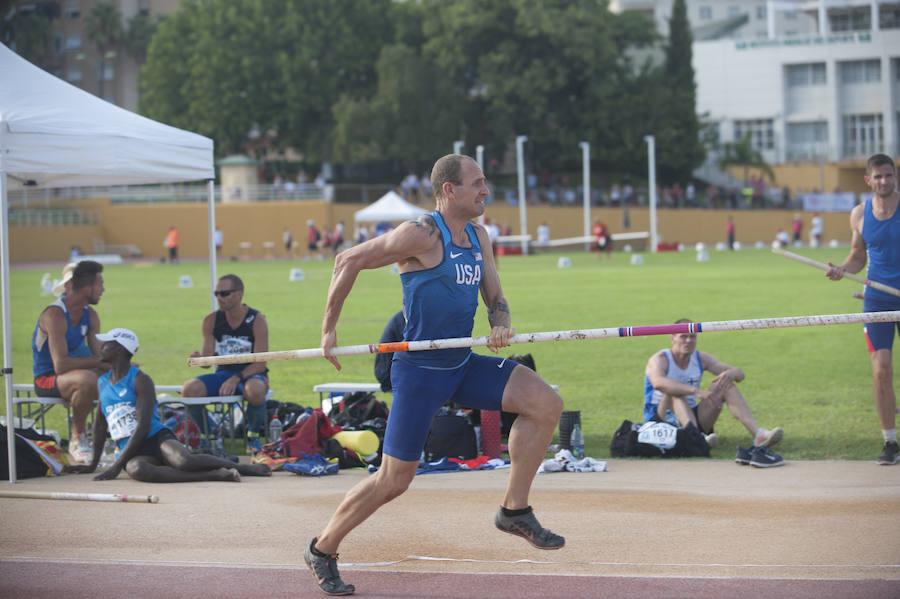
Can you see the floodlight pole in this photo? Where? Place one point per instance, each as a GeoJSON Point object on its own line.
{"type": "Point", "coordinates": [479, 158]}
{"type": "Point", "coordinates": [211, 215]}
{"type": "Point", "coordinates": [586, 169]}
{"type": "Point", "coordinates": [651, 183]}
{"type": "Point", "coordinates": [520, 167]}
{"type": "Point", "coordinates": [458, 146]}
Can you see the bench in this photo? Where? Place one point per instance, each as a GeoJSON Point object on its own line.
{"type": "Point", "coordinates": [36, 407]}
{"type": "Point", "coordinates": [341, 389]}
{"type": "Point", "coordinates": [222, 404]}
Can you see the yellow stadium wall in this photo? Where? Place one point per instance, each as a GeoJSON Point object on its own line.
{"type": "Point", "coordinates": [145, 225]}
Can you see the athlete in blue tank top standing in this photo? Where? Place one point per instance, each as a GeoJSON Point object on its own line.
{"type": "Point", "coordinates": [445, 261]}
{"type": "Point", "coordinates": [875, 226]}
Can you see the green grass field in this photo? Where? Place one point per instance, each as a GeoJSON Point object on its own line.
{"type": "Point", "coordinates": [815, 381]}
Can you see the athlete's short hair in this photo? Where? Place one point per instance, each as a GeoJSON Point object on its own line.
{"type": "Point", "coordinates": [448, 169]}
{"type": "Point", "coordinates": [877, 160]}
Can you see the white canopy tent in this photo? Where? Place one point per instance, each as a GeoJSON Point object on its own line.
{"type": "Point", "coordinates": [389, 207]}
{"type": "Point", "coordinates": [53, 134]}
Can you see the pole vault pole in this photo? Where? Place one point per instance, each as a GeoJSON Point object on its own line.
{"type": "Point", "coordinates": [81, 496]}
{"type": "Point", "coordinates": [847, 275]}
{"type": "Point", "coordinates": [578, 334]}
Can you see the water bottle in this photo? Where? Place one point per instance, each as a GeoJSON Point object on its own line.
{"type": "Point", "coordinates": [275, 429]}
{"type": "Point", "coordinates": [577, 442]}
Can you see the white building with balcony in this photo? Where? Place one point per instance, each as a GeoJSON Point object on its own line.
{"type": "Point", "coordinates": [809, 80]}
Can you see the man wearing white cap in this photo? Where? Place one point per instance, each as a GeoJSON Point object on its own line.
{"type": "Point", "coordinates": [148, 451]}
{"type": "Point", "coordinates": [63, 350]}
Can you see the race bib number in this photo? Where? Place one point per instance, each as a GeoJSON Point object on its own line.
{"type": "Point", "coordinates": [122, 421]}
{"type": "Point", "coordinates": [659, 434]}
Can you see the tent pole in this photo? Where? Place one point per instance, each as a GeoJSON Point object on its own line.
{"type": "Point", "coordinates": [211, 211]}
{"type": "Point", "coordinates": [7, 334]}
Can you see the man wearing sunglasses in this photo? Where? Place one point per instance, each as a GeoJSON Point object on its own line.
{"type": "Point", "coordinates": [234, 328]}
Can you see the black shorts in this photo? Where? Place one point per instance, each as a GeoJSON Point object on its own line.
{"type": "Point", "coordinates": [151, 446]}
{"type": "Point", "coordinates": [656, 418]}
{"type": "Point", "coordinates": [45, 385]}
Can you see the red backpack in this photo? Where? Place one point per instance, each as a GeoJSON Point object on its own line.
{"type": "Point", "coordinates": [307, 435]}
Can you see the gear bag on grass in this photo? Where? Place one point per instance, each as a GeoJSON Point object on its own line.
{"type": "Point", "coordinates": [308, 434]}
{"type": "Point", "coordinates": [689, 443]}
{"type": "Point", "coordinates": [451, 436]}
{"type": "Point", "coordinates": [29, 463]}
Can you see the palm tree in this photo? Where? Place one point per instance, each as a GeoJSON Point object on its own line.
{"type": "Point", "coordinates": [742, 153]}
{"type": "Point", "coordinates": [103, 26]}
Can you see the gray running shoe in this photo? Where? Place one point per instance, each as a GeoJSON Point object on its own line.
{"type": "Point", "coordinates": [324, 568]}
{"type": "Point", "coordinates": [890, 454]}
{"type": "Point", "coordinates": [743, 455]}
{"type": "Point", "coordinates": [528, 527]}
{"type": "Point", "coordinates": [763, 457]}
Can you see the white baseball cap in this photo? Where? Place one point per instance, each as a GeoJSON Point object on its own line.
{"type": "Point", "coordinates": [123, 337]}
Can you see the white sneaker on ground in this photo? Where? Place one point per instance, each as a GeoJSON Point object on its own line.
{"type": "Point", "coordinates": [768, 438]}
{"type": "Point", "coordinates": [79, 450]}
{"type": "Point", "coordinates": [712, 440]}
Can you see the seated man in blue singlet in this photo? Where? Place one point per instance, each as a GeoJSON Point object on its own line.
{"type": "Point", "coordinates": [149, 452]}
{"type": "Point", "coordinates": [234, 328]}
{"type": "Point", "coordinates": [875, 228]}
{"type": "Point", "coordinates": [444, 260]}
{"type": "Point", "coordinates": [672, 393]}
{"type": "Point", "coordinates": [64, 350]}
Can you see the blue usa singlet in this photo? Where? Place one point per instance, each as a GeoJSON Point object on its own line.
{"type": "Point", "coordinates": [882, 239]}
{"type": "Point", "coordinates": [440, 302]}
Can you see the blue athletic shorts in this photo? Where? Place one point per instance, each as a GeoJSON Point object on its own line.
{"type": "Point", "coordinates": [214, 381]}
{"type": "Point", "coordinates": [880, 335]}
{"type": "Point", "coordinates": [419, 392]}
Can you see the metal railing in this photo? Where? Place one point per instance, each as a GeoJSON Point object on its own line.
{"type": "Point", "coordinates": [50, 217]}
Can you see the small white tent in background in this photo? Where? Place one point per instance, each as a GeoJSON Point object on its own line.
{"type": "Point", "coordinates": [53, 134]}
{"type": "Point", "coordinates": [389, 207]}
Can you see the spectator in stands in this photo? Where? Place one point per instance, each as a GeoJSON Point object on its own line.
{"type": "Point", "coordinates": [64, 350]}
{"type": "Point", "coordinates": [172, 244]}
{"type": "Point", "coordinates": [672, 391]}
{"type": "Point", "coordinates": [393, 331]}
{"type": "Point", "coordinates": [148, 451]}
{"type": "Point", "coordinates": [234, 328]}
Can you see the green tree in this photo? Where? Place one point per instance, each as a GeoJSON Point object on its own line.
{"type": "Point", "coordinates": [742, 153]}
{"type": "Point", "coordinates": [138, 35]}
{"type": "Point", "coordinates": [226, 68]}
{"type": "Point", "coordinates": [103, 27]}
{"type": "Point", "coordinates": [679, 148]}
{"type": "Point", "coordinates": [550, 70]}
{"type": "Point", "coordinates": [406, 119]}
{"type": "Point", "coordinates": [26, 32]}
